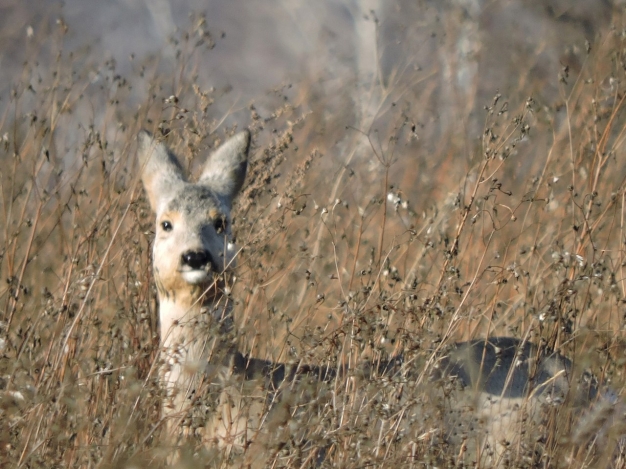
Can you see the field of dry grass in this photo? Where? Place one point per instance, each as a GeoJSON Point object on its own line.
{"type": "Point", "coordinates": [356, 245]}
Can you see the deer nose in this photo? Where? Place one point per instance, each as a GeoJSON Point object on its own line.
{"type": "Point", "coordinates": [195, 259]}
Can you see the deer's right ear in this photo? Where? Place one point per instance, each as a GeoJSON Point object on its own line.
{"type": "Point", "coordinates": [161, 172]}
{"type": "Point", "coordinates": [225, 170]}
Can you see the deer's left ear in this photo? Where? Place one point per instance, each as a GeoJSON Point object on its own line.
{"type": "Point", "coordinates": [225, 170]}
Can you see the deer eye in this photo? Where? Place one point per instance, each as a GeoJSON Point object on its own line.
{"type": "Point", "coordinates": [220, 225]}
{"type": "Point", "coordinates": [166, 225]}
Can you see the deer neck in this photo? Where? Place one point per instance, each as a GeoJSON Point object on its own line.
{"type": "Point", "coordinates": [196, 330]}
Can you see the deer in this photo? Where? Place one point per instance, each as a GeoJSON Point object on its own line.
{"type": "Point", "coordinates": [214, 392]}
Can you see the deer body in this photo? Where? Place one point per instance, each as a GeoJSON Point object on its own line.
{"type": "Point", "coordinates": [507, 390]}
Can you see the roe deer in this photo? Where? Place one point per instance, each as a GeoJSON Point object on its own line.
{"type": "Point", "coordinates": [500, 384]}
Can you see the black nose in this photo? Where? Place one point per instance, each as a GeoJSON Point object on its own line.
{"type": "Point", "coordinates": [195, 259]}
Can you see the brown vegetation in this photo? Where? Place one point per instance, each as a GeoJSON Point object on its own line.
{"type": "Point", "coordinates": [404, 247]}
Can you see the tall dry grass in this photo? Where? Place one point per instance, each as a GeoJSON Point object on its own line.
{"type": "Point", "coordinates": [407, 245]}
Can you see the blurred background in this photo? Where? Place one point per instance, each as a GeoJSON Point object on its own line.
{"type": "Point", "coordinates": [443, 45]}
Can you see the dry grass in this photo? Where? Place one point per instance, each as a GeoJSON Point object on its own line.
{"type": "Point", "coordinates": [410, 244]}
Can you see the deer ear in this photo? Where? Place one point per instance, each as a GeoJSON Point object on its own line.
{"type": "Point", "coordinates": [225, 170]}
{"type": "Point", "coordinates": [161, 172]}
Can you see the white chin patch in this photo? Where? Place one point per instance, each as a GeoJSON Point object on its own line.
{"type": "Point", "coordinates": [195, 276]}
